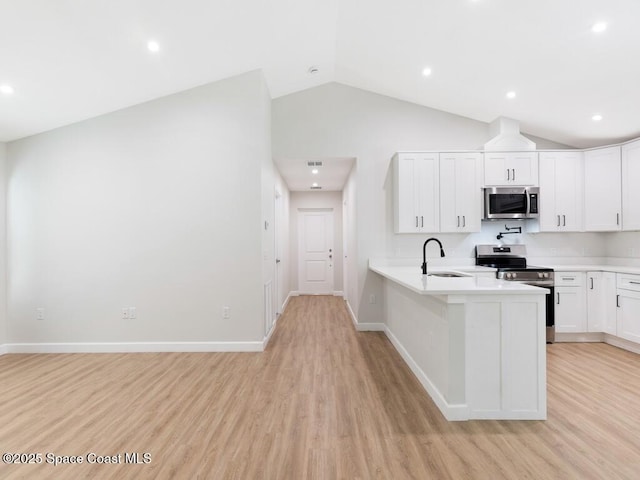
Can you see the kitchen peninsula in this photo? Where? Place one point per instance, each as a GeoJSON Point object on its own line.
{"type": "Point", "coordinates": [475, 343]}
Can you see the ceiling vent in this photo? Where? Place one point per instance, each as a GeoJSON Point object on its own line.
{"type": "Point", "coordinates": [315, 188]}
{"type": "Point", "coordinates": [506, 136]}
{"type": "Point", "coordinates": [314, 164]}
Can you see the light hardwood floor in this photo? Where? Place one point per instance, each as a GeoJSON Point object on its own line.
{"type": "Point", "coordinates": [323, 401]}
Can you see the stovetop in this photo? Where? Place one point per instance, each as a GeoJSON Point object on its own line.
{"type": "Point", "coordinates": [511, 262]}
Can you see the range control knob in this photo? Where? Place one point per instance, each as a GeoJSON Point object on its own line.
{"type": "Point", "coordinates": [545, 274]}
{"type": "Point", "coordinates": [540, 275]}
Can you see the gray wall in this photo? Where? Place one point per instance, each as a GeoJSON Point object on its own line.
{"type": "Point", "coordinates": [158, 206]}
{"type": "Point", "coordinates": [3, 247]}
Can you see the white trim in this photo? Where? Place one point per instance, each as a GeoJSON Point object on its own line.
{"type": "Point", "coordinates": [295, 293]}
{"type": "Point", "coordinates": [579, 337]}
{"type": "Point", "coordinates": [135, 347]}
{"type": "Point", "coordinates": [266, 340]}
{"type": "Point", "coordinates": [457, 412]}
{"type": "Point", "coordinates": [338, 293]}
{"type": "Point", "coordinates": [3, 350]}
{"type": "Point", "coordinates": [622, 343]}
{"type": "Point", "coordinates": [354, 319]}
{"type": "Point", "coordinates": [371, 327]}
{"type": "Point", "coordinates": [286, 302]}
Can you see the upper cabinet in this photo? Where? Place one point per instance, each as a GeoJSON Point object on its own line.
{"type": "Point", "coordinates": [416, 192]}
{"type": "Point", "coordinates": [510, 168]}
{"type": "Point", "coordinates": [631, 186]}
{"type": "Point", "coordinates": [460, 193]}
{"type": "Point", "coordinates": [602, 190]}
{"type": "Point", "coordinates": [561, 191]}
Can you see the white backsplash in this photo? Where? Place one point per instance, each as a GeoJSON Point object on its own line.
{"type": "Point", "coordinates": [568, 247]}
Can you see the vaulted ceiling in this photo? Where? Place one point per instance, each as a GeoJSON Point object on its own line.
{"type": "Point", "coordinates": [68, 60]}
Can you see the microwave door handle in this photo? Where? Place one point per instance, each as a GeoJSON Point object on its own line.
{"type": "Point", "coordinates": [528, 203]}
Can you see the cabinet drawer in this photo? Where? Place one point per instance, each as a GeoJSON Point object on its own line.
{"type": "Point", "coordinates": [569, 279]}
{"type": "Point", "coordinates": [628, 282]}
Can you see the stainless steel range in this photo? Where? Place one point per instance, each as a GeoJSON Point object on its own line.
{"type": "Point", "coordinates": [511, 262]}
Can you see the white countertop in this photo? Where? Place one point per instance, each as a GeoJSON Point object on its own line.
{"type": "Point", "coordinates": [412, 278]}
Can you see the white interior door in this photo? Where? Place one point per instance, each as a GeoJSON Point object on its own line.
{"type": "Point", "coordinates": [315, 253]}
{"type": "Point", "coordinates": [277, 232]}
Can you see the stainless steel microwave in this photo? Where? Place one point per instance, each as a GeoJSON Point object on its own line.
{"type": "Point", "coordinates": [511, 202]}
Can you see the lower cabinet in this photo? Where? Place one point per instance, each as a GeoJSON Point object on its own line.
{"type": "Point", "coordinates": [601, 305]}
{"type": "Point", "coordinates": [570, 302]}
{"type": "Point", "coordinates": [628, 307]}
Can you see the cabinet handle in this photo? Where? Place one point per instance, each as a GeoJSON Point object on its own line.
{"type": "Point", "coordinates": [508, 178]}
{"type": "Point", "coordinates": [558, 302]}
{"type": "Point", "coordinates": [416, 222]}
{"type": "Point", "coordinates": [618, 301]}
{"type": "Point", "coordinates": [513, 170]}
{"type": "Point", "coordinates": [564, 220]}
{"type": "Point", "coordinates": [458, 220]}
{"type": "Point", "coordinates": [617, 219]}
{"type": "Point", "coordinates": [558, 220]}
{"type": "Point", "coordinates": [464, 221]}
{"type": "Point", "coordinates": [569, 278]}
{"type": "Point", "coordinates": [422, 222]}
{"type": "Point", "coordinates": [591, 283]}
{"type": "Point", "coordinates": [635, 283]}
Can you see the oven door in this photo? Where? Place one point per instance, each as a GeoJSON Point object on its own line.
{"type": "Point", "coordinates": [549, 312]}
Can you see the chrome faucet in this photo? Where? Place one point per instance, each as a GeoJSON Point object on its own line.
{"type": "Point", "coordinates": [424, 253]}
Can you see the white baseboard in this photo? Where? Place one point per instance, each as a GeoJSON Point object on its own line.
{"type": "Point", "coordinates": [450, 412]}
{"type": "Point", "coordinates": [354, 319]}
{"type": "Point", "coordinates": [622, 343]}
{"type": "Point", "coordinates": [3, 349]}
{"type": "Point", "coordinates": [266, 340]}
{"type": "Point", "coordinates": [338, 293]}
{"type": "Point", "coordinates": [294, 293]}
{"type": "Point", "coordinates": [579, 337]}
{"type": "Point", "coordinates": [134, 347]}
{"type": "Point", "coordinates": [371, 327]}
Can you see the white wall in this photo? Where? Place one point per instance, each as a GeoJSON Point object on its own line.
{"type": "Point", "coordinates": [3, 248]}
{"type": "Point", "coordinates": [623, 248]}
{"type": "Point", "coordinates": [306, 200]}
{"type": "Point", "coordinates": [335, 120]}
{"type": "Point", "coordinates": [157, 206]}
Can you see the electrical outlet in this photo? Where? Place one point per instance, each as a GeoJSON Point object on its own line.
{"type": "Point", "coordinates": [125, 313]}
{"type": "Point", "coordinates": [39, 313]}
{"type": "Point", "coordinates": [133, 312]}
{"type": "Point", "coordinates": [226, 312]}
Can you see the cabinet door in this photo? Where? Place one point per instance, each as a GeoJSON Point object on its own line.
{"type": "Point", "coordinates": [602, 190]}
{"type": "Point", "coordinates": [609, 323]}
{"type": "Point", "coordinates": [595, 302]}
{"type": "Point", "coordinates": [630, 186]}
{"type": "Point", "coordinates": [460, 194]}
{"type": "Point", "coordinates": [428, 191]}
{"type": "Point", "coordinates": [416, 192]}
{"type": "Point", "coordinates": [509, 168]}
{"type": "Point", "coordinates": [570, 309]}
{"type": "Point", "coordinates": [561, 191]}
{"type": "Point", "coordinates": [628, 318]}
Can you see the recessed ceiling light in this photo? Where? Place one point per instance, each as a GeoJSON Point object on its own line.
{"type": "Point", "coordinates": [6, 89]}
{"type": "Point", "coordinates": [314, 184]}
{"type": "Point", "coordinates": [511, 94]}
{"type": "Point", "coordinates": [314, 171]}
{"type": "Point", "coordinates": [597, 117]}
{"type": "Point", "coordinates": [426, 71]}
{"type": "Point", "coordinates": [313, 70]}
{"type": "Point", "coordinates": [599, 27]}
{"type": "Point", "coordinates": [153, 46]}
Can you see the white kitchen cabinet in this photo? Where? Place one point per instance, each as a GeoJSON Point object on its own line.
{"type": "Point", "coordinates": [561, 191]}
{"type": "Point", "coordinates": [601, 302]}
{"type": "Point", "coordinates": [510, 168]}
{"type": "Point", "coordinates": [628, 307]}
{"type": "Point", "coordinates": [602, 190]}
{"type": "Point", "coordinates": [631, 186]}
{"type": "Point", "coordinates": [570, 302]}
{"type": "Point", "coordinates": [460, 192]}
{"type": "Point", "coordinates": [416, 192]}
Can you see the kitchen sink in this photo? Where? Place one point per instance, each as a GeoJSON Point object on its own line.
{"type": "Point", "coordinates": [446, 274]}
